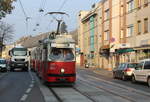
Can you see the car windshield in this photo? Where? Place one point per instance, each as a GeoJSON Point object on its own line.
{"type": "Point", "coordinates": [2, 61]}
{"type": "Point", "coordinates": [61, 54]}
{"type": "Point", "coordinates": [132, 65]}
{"type": "Point", "coordinates": [20, 52]}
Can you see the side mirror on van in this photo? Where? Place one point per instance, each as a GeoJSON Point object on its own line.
{"type": "Point", "coordinates": [9, 53]}
{"type": "Point", "coordinates": [29, 53]}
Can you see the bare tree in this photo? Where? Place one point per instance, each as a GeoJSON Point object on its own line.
{"type": "Point", "coordinates": [6, 34]}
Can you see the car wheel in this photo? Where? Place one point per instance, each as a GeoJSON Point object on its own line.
{"type": "Point", "coordinates": [148, 81]}
{"type": "Point", "coordinates": [133, 79]}
{"type": "Point", "coordinates": [123, 77]}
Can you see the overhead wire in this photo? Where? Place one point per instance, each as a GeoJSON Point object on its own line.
{"type": "Point", "coordinates": [62, 5]}
{"type": "Point", "coordinates": [41, 9]}
{"type": "Point", "coordinates": [23, 9]}
{"type": "Point", "coordinates": [26, 17]}
{"type": "Point", "coordinates": [59, 9]}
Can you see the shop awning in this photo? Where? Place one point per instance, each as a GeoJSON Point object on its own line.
{"type": "Point", "coordinates": [125, 50]}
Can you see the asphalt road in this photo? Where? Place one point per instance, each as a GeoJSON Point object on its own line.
{"type": "Point", "coordinates": [19, 86]}
{"type": "Point", "coordinates": [89, 87]}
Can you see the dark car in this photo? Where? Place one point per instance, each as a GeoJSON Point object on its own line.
{"type": "Point", "coordinates": [124, 70]}
{"type": "Point", "coordinates": [3, 65]}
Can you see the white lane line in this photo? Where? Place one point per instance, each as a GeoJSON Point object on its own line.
{"type": "Point", "coordinates": [32, 82]}
{"type": "Point", "coordinates": [31, 85]}
{"type": "Point", "coordinates": [28, 90]}
{"type": "Point", "coordinates": [24, 97]}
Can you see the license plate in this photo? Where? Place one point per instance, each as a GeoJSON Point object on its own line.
{"type": "Point", "coordinates": [19, 64]}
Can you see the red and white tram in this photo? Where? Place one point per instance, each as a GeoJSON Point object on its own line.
{"type": "Point", "coordinates": [54, 59]}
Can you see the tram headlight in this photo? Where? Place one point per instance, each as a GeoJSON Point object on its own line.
{"type": "Point", "coordinates": [62, 70]}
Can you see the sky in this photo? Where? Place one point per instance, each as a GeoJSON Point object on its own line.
{"type": "Point", "coordinates": [46, 22]}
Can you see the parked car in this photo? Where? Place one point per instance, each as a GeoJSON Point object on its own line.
{"type": "Point", "coordinates": [142, 72]}
{"type": "Point", "coordinates": [3, 65]}
{"type": "Point", "coordinates": [124, 70]}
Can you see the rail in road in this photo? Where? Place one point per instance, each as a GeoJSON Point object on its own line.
{"type": "Point", "coordinates": [124, 92]}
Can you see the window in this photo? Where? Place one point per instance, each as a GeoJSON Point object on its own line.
{"type": "Point", "coordinates": [106, 35]}
{"type": "Point", "coordinates": [129, 30]}
{"type": "Point", "coordinates": [130, 5]}
{"type": "Point", "coordinates": [139, 27]}
{"type": "Point", "coordinates": [61, 54]}
{"type": "Point", "coordinates": [146, 25]}
{"type": "Point", "coordinates": [107, 12]}
{"type": "Point", "coordinates": [145, 3]}
{"type": "Point", "coordinates": [147, 65]}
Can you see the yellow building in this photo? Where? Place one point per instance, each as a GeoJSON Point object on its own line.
{"type": "Point", "coordinates": [142, 29]}
{"type": "Point", "coordinates": [81, 35]}
{"type": "Point", "coordinates": [91, 32]}
{"type": "Point", "coordinates": [115, 31]}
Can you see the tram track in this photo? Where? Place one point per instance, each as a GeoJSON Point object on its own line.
{"type": "Point", "coordinates": [109, 91]}
{"type": "Point", "coordinates": [85, 94]}
{"type": "Point", "coordinates": [114, 86]}
{"type": "Point", "coordinates": [123, 87]}
{"type": "Point", "coordinates": [56, 95]}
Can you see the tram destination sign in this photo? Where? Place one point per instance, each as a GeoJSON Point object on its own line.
{"type": "Point", "coordinates": [66, 45]}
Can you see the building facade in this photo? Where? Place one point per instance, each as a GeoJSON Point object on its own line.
{"type": "Point", "coordinates": [115, 31]}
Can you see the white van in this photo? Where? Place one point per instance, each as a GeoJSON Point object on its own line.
{"type": "Point", "coordinates": [142, 72]}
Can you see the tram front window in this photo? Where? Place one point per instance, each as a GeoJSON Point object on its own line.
{"type": "Point", "coordinates": [61, 54]}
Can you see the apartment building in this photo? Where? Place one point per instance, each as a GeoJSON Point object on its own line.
{"type": "Point", "coordinates": [142, 29]}
{"type": "Point", "coordinates": [100, 33]}
{"type": "Point", "coordinates": [90, 33]}
{"type": "Point", "coordinates": [116, 31]}
{"type": "Point", "coordinates": [81, 35]}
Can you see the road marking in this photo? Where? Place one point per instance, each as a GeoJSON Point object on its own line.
{"type": "Point", "coordinates": [32, 82]}
{"type": "Point", "coordinates": [31, 85]}
{"type": "Point", "coordinates": [24, 97]}
{"type": "Point", "coordinates": [28, 90]}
